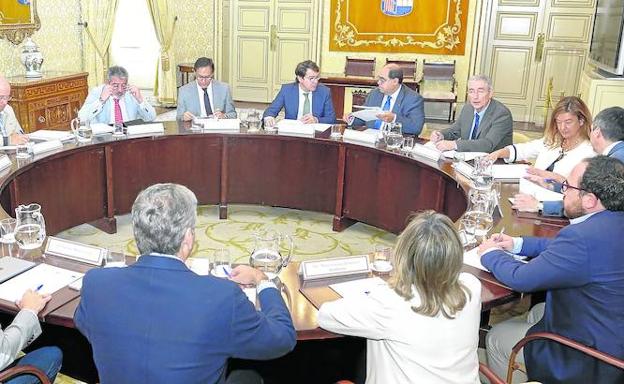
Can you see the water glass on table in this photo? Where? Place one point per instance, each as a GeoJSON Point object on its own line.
{"type": "Point", "coordinates": [221, 263]}
{"type": "Point", "coordinates": [7, 230]}
{"type": "Point", "coordinates": [382, 259]}
{"type": "Point", "coordinates": [394, 135]}
{"type": "Point", "coordinates": [467, 228]}
{"type": "Point", "coordinates": [115, 258]}
{"type": "Point", "coordinates": [408, 144]}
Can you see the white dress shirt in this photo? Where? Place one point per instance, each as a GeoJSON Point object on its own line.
{"type": "Point", "coordinates": [302, 101]}
{"type": "Point", "coordinates": [407, 347]}
{"type": "Point", "coordinates": [200, 94]}
{"type": "Point", "coordinates": [547, 155]}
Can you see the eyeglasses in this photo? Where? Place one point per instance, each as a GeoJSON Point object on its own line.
{"type": "Point", "coordinates": [119, 85]}
{"type": "Point", "coordinates": [479, 91]}
{"type": "Point", "coordinates": [209, 77]}
{"type": "Point", "coordinates": [566, 185]}
{"type": "Point", "coordinates": [313, 78]}
{"type": "Point", "coordinates": [6, 98]}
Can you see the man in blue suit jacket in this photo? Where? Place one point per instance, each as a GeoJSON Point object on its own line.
{"type": "Point", "coordinates": [156, 321]}
{"type": "Point", "coordinates": [582, 270]}
{"type": "Point", "coordinates": [305, 99]}
{"type": "Point", "coordinates": [399, 103]}
{"type": "Point", "coordinates": [116, 101]}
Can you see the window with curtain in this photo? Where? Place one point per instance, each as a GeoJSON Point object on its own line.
{"type": "Point", "coordinates": [134, 44]}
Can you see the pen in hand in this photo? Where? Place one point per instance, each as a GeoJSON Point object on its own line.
{"type": "Point", "coordinates": [499, 237]}
{"type": "Point", "coordinates": [39, 288]}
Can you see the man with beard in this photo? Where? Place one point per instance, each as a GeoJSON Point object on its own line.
{"type": "Point", "coordinates": [582, 270]}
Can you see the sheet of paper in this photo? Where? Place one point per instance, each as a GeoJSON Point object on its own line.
{"type": "Point", "coordinates": [367, 137]}
{"type": "Point", "coordinates": [367, 114]}
{"type": "Point", "coordinates": [48, 135]}
{"type": "Point", "coordinates": [509, 171]}
{"type": "Point", "coordinates": [101, 128]}
{"type": "Point", "coordinates": [50, 278]}
{"type": "Point", "coordinates": [143, 129]}
{"type": "Point", "coordinates": [473, 259]}
{"type": "Point", "coordinates": [357, 287]}
{"type": "Point", "coordinates": [539, 192]}
{"type": "Point", "coordinates": [8, 148]}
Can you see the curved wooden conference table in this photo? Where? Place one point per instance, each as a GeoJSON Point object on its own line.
{"type": "Point", "coordinates": [92, 183]}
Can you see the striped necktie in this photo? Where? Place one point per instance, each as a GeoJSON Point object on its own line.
{"type": "Point", "coordinates": [118, 116]}
{"type": "Point", "coordinates": [474, 132]}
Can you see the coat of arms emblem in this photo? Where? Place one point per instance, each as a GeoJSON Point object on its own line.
{"type": "Point", "coordinates": [397, 7]}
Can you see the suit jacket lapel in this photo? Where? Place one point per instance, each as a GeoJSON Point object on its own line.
{"type": "Point", "coordinates": [292, 101]}
{"type": "Point", "coordinates": [486, 121]}
{"type": "Point", "coordinates": [396, 108]}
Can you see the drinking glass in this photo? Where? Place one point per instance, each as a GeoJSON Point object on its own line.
{"type": "Point", "coordinates": [408, 144]}
{"type": "Point", "coordinates": [7, 230]}
{"type": "Point", "coordinates": [269, 124]}
{"type": "Point", "coordinates": [336, 132]}
{"type": "Point", "coordinates": [382, 259]}
{"type": "Point", "coordinates": [23, 151]}
{"type": "Point", "coordinates": [254, 120]}
{"type": "Point", "coordinates": [467, 231]}
{"type": "Point", "coordinates": [482, 175]}
{"type": "Point", "coordinates": [118, 131]}
{"type": "Point", "coordinates": [221, 263]}
{"type": "Point", "coordinates": [394, 136]}
{"type": "Point", "coordinates": [115, 258]}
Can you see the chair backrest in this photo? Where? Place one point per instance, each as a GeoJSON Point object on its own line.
{"type": "Point", "coordinates": [604, 357]}
{"type": "Point", "coordinates": [408, 67]}
{"type": "Point", "coordinates": [355, 66]}
{"type": "Point", "coordinates": [23, 370]}
{"type": "Point", "coordinates": [440, 71]}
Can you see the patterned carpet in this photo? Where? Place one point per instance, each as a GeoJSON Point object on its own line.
{"type": "Point", "coordinates": [311, 231]}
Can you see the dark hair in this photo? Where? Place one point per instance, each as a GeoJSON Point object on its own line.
{"type": "Point", "coordinates": [396, 73]}
{"type": "Point", "coordinates": [203, 62]}
{"type": "Point", "coordinates": [303, 67]}
{"type": "Point", "coordinates": [604, 177]}
{"type": "Point", "coordinates": [610, 121]}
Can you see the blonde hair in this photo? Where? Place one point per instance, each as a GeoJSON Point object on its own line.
{"type": "Point", "coordinates": [429, 256]}
{"type": "Point", "coordinates": [575, 106]}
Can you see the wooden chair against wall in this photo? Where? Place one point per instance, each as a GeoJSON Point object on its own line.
{"type": "Point", "coordinates": [355, 66]}
{"type": "Point", "coordinates": [409, 68]}
{"type": "Point", "coordinates": [19, 370]}
{"type": "Point", "coordinates": [440, 72]}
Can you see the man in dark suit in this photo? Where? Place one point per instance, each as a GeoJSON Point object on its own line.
{"type": "Point", "coordinates": [305, 99]}
{"type": "Point", "coordinates": [156, 321]}
{"type": "Point", "coordinates": [205, 96]}
{"type": "Point", "coordinates": [398, 103]}
{"type": "Point", "coordinates": [582, 270]}
{"type": "Point", "coordinates": [484, 124]}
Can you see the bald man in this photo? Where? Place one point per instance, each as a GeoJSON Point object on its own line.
{"type": "Point", "coordinates": [12, 133]}
{"type": "Point", "coordinates": [398, 103]}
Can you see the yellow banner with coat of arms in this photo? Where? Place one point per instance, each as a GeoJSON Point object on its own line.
{"type": "Point", "coordinates": [399, 26]}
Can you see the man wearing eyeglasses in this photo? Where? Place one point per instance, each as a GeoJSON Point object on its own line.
{"type": "Point", "coordinates": [398, 103]}
{"type": "Point", "coordinates": [116, 101]}
{"type": "Point", "coordinates": [10, 128]}
{"type": "Point", "coordinates": [582, 270]}
{"type": "Point", "coordinates": [305, 100]}
{"type": "Point", "coordinates": [205, 96]}
{"type": "Point", "coordinates": [484, 124]}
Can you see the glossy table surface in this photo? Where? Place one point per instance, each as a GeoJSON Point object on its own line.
{"type": "Point", "coordinates": [94, 182]}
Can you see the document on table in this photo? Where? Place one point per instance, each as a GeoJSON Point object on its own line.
{"type": "Point", "coordinates": [509, 171]}
{"type": "Point", "coordinates": [539, 192]}
{"type": "Point", "coordinates": [49, 277]}
{"type": "Point", "coordinates": [453, 154]}
{"type": "Point", "coordinates": [473, 259]}
{"type": "Point", "coordinates": [367, 113]}
{"type": "Point", "coordinates": [285, 124]}
{"type": "Point", "coordinates": [357, 287]}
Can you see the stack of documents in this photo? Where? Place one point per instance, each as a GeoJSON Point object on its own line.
{"type": "Point", "coordinates": [367, 113]}
{"type": "Point", "coordinates": [509, 171]}
{"type": "Point", "coordinates": [46, 146]}
{"type": "Point", "coordinates": [101, 129]}
{"type": "Point", "coordinates": [426, 151]}
{"type": "Point", "coordinates": [295, 128]}
{"type": "Point", "coordinates": [367, 138]}
{"type": "Point", "coordinates": [49, 135]}
{"type": "Point", "coordinates": [44, 278]}
{"type": "Point", "coordinates": [146, 129]}
{"type": "Point", "coordinates": [473, 259]}
{"type": "Point", "coordinates": [219, 125]}
{"type": "Point", "coordinates": [539, 192]}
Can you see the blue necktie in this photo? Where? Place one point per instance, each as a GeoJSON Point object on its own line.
{"type": "Point", "coordinates": [386, 107]}
{"type": "Point", "coordinates": [475, 130]}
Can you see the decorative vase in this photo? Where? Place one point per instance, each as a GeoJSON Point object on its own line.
{"type": "Point", "coordinates": [32, 59]}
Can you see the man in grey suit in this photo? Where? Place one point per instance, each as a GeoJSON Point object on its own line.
{"type": "Point", "coordinates": [205, 96]}
{"type": "Point", "coordinates": [399, 103]}
{"type": "Point", "coordinates": [484, 124]}
{"type": "Point", "coordinates": [24, 329]}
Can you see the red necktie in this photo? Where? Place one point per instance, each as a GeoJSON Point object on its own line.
{"type": "Point", "coordinates": [118, 116]}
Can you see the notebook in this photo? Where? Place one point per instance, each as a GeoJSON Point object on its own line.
{"type": "Point", "coordinates": [11, 266]}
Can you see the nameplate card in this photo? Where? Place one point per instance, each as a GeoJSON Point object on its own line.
{"type": "Point", "coordinates": [426, 152]}
{"type": "Point", "coordinates": [84, 253]}
{"type": "Point", "coordinates": [46, 146]}
{"type": "Point", "coordinates": [509, 171]}
{"type": "Point", "coordinates": [340, 266]}
{"type": "Point", "coordinates": [5, 162]}
{"type": "Point", "coordinates": [101, 129]}
{"type": "Point", "coordinates": [464, 168]}
{"type": "Point", "coordinates": [302, 130]}
{"type": "Point", "coordinates": [219, 124]}
{"type": "Point", "coordinates": [146, 129]}
{"type": "Point", "coordinates": [51, 135]}
{"type": "Point", "coordinates": [365, 138]}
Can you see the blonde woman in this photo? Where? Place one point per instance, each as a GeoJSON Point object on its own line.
{"type": "Point", "coordinates": [422, 327]}
{"type": "Point", "coordinates": [564, 145]}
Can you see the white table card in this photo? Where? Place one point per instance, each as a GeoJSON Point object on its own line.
{"type": "Point", "coordinates": [464, 168]}
{"type": "Point", "coordinates": [46, 146]}
{"type": "Point", "coordinates": [219, 124]}
{"type": "Point", "coordinates": [426, 152]}
{"type": "Point", "coordinates": [365, 138]}
{"type": "Point", "coordinates": [5, 162]}
{"type": "Point", "coordinates": [340, 266]}
{"type": "Point", "coordinates": [76, 251]}
{"type": "Point", "coordinates": [146, 129]}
